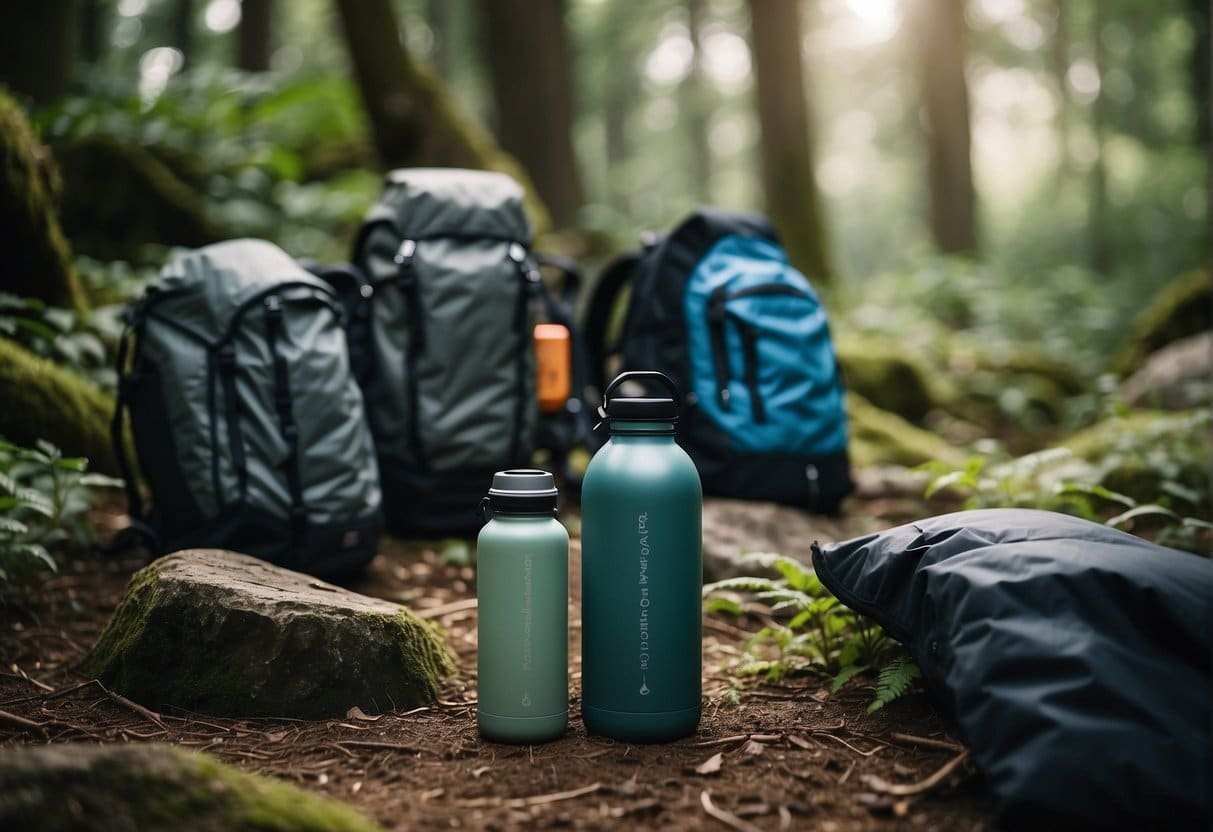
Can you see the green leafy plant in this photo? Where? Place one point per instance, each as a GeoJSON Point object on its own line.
{"type": "Point", "coordinates": [43, 499]}
{"type": "Point", "coordinates": [57, 334]}
{"type": "Point", "coordinates": [819, 635]}
{"type": "Point", "coordinates": [1165, 456]}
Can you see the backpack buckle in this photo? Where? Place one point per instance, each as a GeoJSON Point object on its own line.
{"type": "Point", "coordinates": [227, 356]}
{"type": "Point", "coordinates": [273, 308]}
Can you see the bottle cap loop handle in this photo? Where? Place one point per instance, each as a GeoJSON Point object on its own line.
{"type": "Point", "coordinates": [636, 375]}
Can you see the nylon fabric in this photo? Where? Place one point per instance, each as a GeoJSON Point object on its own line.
{"type": "Point", "coordinates": [438, 202]}
{"type": "Point", "coordinates": [1075, 658]}
{"type": "Point", "coordinates": [797, 375]}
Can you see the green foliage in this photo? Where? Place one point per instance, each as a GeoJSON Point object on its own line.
{"type": "Point", "coordinates": [1161, 460]}
{"type": "Point", "coordinates": [819, 634]}
{"type": "Point", "coordinates": [248, 144]}
{"type": "Point", "coordinates": [43, 499]}
{"type": "Point", "coordinates": [894, 680]}
{"type": "Point", "coordinates": [58, 334]}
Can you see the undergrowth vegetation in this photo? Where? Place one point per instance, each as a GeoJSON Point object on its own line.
{"type": "Point", "coordinates": [44, 499]}
{"type": "Point", "coordinates": [807, 631]}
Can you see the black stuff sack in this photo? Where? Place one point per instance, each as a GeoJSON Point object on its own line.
{"type": "Point", "coordinates": [1075, 658]}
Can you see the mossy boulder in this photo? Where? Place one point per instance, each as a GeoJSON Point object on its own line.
{"type": "Point", "coordinates": [154, 788]}
{"type": "Point", "coordinates": [879, 437]}
{"type": "Point", "coordinates": [1183, 307]}
{"type": "Point", "coordinates": [1176, 377]}
{"type": "Point", "coordinates": [118, 197]}
{"type": "Point", "coordinates": [37, 257]}
{"type": "Point", "coordinates": [1137, 453]}
{"type": "Point", "coordinates": [227, 634]}
{"type": "Point", "coordinates": [884, 373]}
{"type": "Point", "coordinates": [1023, 387]}
{"type": "Point", "coordinates": [45, 401]}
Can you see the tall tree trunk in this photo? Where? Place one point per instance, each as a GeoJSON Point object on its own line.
{"type": "Point", "coordinates": [1059, 57]}
{"type": "Point", "coordinates": [93, 16]}
{"type": "Point", "coordinates": [938, 28]}
{"type": "Point", "coordinates": [527, 47]}
{"type": "Point", "coordinates": [618, 93]}
{"type": "Point", "coordinates": [787, 150]}
{"type": "Point", "coordinates": [36, 48]}
{"type": "Point", "coordinates": [438, 16]}
{"type": "Point", "coordinates": [1202, 70]}
{"type": "Point", "coordinates": [695, 107]}
{"type": "Point", "coordinates": [1100, 257]}
{"type": "Point", "coordinates": [181, 27]}
{"type": "Point", "coordinates": [254, 35]}
{"type": "Point", "coordinates": [414, 121]}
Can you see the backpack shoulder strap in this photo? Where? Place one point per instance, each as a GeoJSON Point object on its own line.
{"type": "Point", "coordinates": [598, 313]}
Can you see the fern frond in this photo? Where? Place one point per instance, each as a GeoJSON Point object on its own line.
{"type": "Point", "coordinates": [894, 680]}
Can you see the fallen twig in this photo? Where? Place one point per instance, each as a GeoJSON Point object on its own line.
{"type": "Point", "coordinates": [147, 713]}
{"type": "Point", "coordinates": [5, 716]}
{"type": "Point", "coordinates": [383, 746]}
{"type": "Point", "coordinates": [841, 741]}
{"type": "Point", "coordinates": [523, 802]}
{"type": "Point", "coordinates": [927, 742]}
{"type": "Point", "coordinates": [725, 817]}
{"type": "Point", "coordinates": [879, 784]}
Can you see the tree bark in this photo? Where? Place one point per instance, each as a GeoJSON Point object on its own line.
{"type": "Point", "coordinates": [414, 120]}
{"type": "Point", "coordinates": [527, 47]}
{"type": "Point", "coordinates": [38, 260]}
{"type": "Point", "coordinates": [93, 16]}
{"type": "Point", "coordinates": [1100, 256]}
{"type": "Point", "coordinates": [36, 41]}
{"type": "Point", "coordinates": [181, 27]}
{"type": "Point", "coordinates": [254, 36]}
{"type": "Point", "coordinates": [695, 107]}
{"type": "Point", "coordinates": [938, 28]}
{"type": "Point", "coordinates": [787, 151]}
{"type": "Point", "coordinates": [1060, 64]}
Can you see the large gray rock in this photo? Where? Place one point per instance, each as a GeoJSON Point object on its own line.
{"type": "Point", "coordinates": [735, 529]}
{"type": "Point", "coordinates": [151, 788]}
{"type": "Point", "coordinates": [228, 634]}
{"type": "Point", "coordinates": [1178, 376]}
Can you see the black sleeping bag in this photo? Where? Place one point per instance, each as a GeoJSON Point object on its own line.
{"type": "Point", "coordinates": [1074, 658]}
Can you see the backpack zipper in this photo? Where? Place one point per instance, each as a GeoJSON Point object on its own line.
{"type": "Point", "coordinates": [406, 279]}
{"type": "Point", "coordinates": [717, 313]}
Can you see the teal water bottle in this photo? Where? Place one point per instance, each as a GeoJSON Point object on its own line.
{"type": "Point", "coordinates": [641, 573]}
{"type": "Point", "coordinates": [522, 630]}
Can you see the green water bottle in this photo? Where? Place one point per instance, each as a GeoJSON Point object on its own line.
{"type": "Point", "coordinates": [522, 578]}
{"type": "Point", "coordinates": [641, 573]}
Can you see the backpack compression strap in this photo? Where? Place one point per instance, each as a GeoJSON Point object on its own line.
{"type": "Point", "coordinates": [140, 531]}
{"type": "Point", "coordinates": [598, 314]}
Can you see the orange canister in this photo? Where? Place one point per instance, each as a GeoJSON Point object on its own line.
{"type": "Point", "coordinates": [553, 358]}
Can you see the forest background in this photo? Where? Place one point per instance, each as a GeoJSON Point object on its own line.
{"type": "Point", "coordinates": [988, 193]}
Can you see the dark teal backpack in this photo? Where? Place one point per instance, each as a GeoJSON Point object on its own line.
{"type": "Point", "coordinates": [247, 421]}
{"type": "Point", "coordinates": [715, 305]}
{"type": "Point", "coordinates": [456, 292]}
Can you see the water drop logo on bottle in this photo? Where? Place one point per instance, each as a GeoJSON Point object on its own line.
{"type": "Point", "coordinates": [641, 572]}
{"type": "Point", "coordinates": [522, 625]}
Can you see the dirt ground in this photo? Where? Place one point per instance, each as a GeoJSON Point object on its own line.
{"type": "Point", "coordinates": [786, 756]}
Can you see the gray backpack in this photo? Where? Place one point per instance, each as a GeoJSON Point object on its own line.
{"type": "Point", "coordinates": [452, 396]}
{"type": "Point", "coordinates": [249, 427]}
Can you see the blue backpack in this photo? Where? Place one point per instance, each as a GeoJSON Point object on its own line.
{"type": "Point", "coordinates": [715, 305]}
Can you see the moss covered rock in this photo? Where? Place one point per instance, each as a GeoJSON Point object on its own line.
{"type": "Point", "coordinates": [879, 437]}
{"type": "Point", "coordinates": [45, 401]}
{"type": "Point", "coordinates": [1184, 307]}
{"type": "Point", "coordinates": [119, 197]}
{"type": "Point", "coordinates": [37, 259]}
{"type": "Point", "coordinates": [83, 788]}
{"type": "Point", "coordinates": [1138, 452]}
{"type": "Point", "coordinates": [886, 375]}
{"type": "Point", "coordinates": [225, 633]}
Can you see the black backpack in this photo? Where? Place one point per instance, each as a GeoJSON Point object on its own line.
{"type": "Point", "coordinates": [715, 306]}
{"type": "Point", "coordinates": [456, 295]}
{"type": "Point", "coordinates": [248, 424]}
